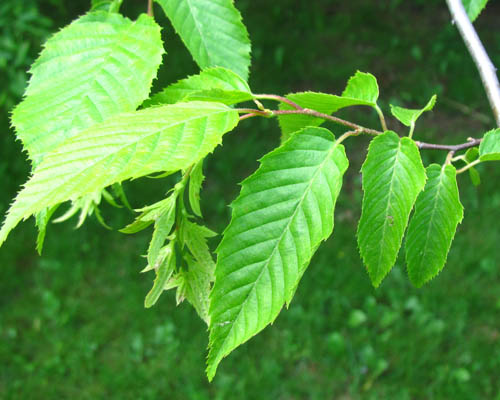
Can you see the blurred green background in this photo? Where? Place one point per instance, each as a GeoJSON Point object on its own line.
{"type": "Point", "coordinates": [72, 322]}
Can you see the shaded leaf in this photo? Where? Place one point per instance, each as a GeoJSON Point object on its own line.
{"type": "Point", "coordinates": [212, 31]}
{"type": "Point", "coordinates": [474, 176]}
{"type": "Point", "coordinates": [284, 211]}
{"type": "Point", "coordinates": [432, 227]}
{"type": "Point", "coordinates": [393, 176]}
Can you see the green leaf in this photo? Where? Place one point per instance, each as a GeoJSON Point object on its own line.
{"type": "Point", "coordinates": [408, 116]}
{"type": "Point", "coordinates": [100, 65]}
{"type": "Point", "coordinates": [393, 176]}
{"type": "Point", "coordinates": [164, 271]}
{"type": "Point", "coordinates": [196, 179]}
{"type": "Point", "coordinates": [106, 5]}
{"type": "Point", "coordinates": [432, 227]}
{"type": "Point", "coordinates": [362, 87]}
{"type": "Point", "coordinates": [212, 31]}
{"type": "Point", "coordinates": [127, 146]}
{"type": "Point", "coordinates": [471, 154]}
{"type": "Point", "coordinates": [489, 149]}
{"type": "Point", "coordinates": [284, 211]}
{"type": "Point", "coordinates": [474, 176]}
{"type": "Point", "coordinates": [474, 7]}
{"type": "Point", "coordinates": [213, 84]}
{"type": "Point", "coordinates": [42, 220]}
{"type": "Point", "coordinates": [195, 236]}
{"type": "Point", "coordinates": [361, 90]}
{"type": "Point", "coordinates": [162, 226]}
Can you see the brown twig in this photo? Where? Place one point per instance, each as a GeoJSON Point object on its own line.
{"type": "Point", "coordinates": [150, 8]}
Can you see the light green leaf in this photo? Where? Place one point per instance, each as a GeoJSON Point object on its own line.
{"type": "Point", "coordinates": [284, 211]}
{"type": "Point", "coordinates": [393, 176]}
{"type": "Point", "coordinates": [196, 179]}
{"type": "Point", "coordinates": [363, 87]}
{"type": "Point", "coordinates": [162, 226]}
{"type": "Point", "coordinates": [408, 116]}
{"type": "Point", "coordinates": [212, 31]}
{"type": "Point", "coordinates": [212, 84]}
{"type": "Point", "coordinates": [42, 220]}
{"type": "Point", "coordinates": [195, 236]}
{"type": "Point", "coordinates": [489, 149]}
{"type": "Point", "coordinates": [361, 90]}
{"type": "Point", "coordinates": [166, 267]}
{"type": "Point", "coordinates": [432, 227]}
{"type": "Point", "coordinates": [474, 7]}
{"type": "Point", "coordinates": [127, 146]}
{"type": "Point", "coordinates": [100, 65]}
{"type": "Point", "coordinates": [149, 214]}
{"type": "Point", "coordinates": [194, 286]}
{"type": "Point", "coordinates": [106, 5]}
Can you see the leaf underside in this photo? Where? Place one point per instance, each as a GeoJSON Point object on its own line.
{"type": "Point", "coordinates": [212, 31]}
{"type": "Point", "coordinates": [285, 209]}
{"type": "Point", "coordinates": [393, 175]}
{"type": "Point", "coordinates": [130, 145]}
{"type": "Point", "coordinates": [100, 65]}
{"type": "Point", "coordinates": [432, 227]}
{"type": "Point", "coordinates": [408, 116]}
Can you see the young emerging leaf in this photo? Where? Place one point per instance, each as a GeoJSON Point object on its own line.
{"type": "Point", "coordinates": [166, 138]}
{"type": "Point", "coordinates": [212, 31]}
{"type": "Point", "coordinates": [166, 267]}
{"type": "Point", "coordinates": [489, 149]}
{"type": "Point", "coordinates": [432, 227]}
{"type": "Point", "coordinates": [42, 220]}
{"type": "Point", "coordinates": [471, 154]}
{"type": "Point", "coordinates": [163, 225]}
{"type": "Point", "coordinates": [195, 236]}
{"type": "Point", "coordinates": [393, 176]}
{"type": "Point", "coordinates": [361, 90]}
{"type": "Point", "coordinates": [212, 84]}
{"type": "Point", "coordinates": [409, 116]}
{"type": "Point", "coordinates": [196, 179]}
{"type": "Point", "coordinates": [474, 7]}
{"type": "Point", "coordinates": [284, 211]}
{"type": "Point", "coordinates": [100, 65]}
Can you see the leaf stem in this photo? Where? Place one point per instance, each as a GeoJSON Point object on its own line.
{"type": "Point", "coordinates": [468, 166]}
{"type": "Point", "coordinates": [150, 8]}
{"type": "Point", "coordinates": [278, 98]}
{"type": "Point", "coordinates": [250, 112]}
{"type": "Point", "coordinates": [382, 118]}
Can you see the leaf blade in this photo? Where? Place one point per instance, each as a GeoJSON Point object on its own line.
{"type": "Point", "coordinates": [127, 146]}
{"type": "Point", "coordinates": [489, 149]}
{"type": "Point", "coordinates": [100, 65]}
{"type": "Point", "coordinates": [393, 175]}
{"type": "Point", "coordinates": [292, 195]}
{"type": "Point", "coordinates": [432, 228]}
{"type": "Point", "coordinates": [213, 32]}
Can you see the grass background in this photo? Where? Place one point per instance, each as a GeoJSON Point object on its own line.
{"type": "Point", "coordinates": [72, 322]}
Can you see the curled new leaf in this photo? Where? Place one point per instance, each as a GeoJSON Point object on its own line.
{"type": "Point", "coordinates": [166, 138]}
{"type": "Point", "coordinates": [393, 176]}
{"type": "Point", "coordinates": [432, 228]}
{"type": "Point", "coordinates": [284, 211]}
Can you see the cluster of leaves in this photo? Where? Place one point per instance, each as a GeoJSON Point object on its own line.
{"type": "Point", "coordinates": [88, 122]}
